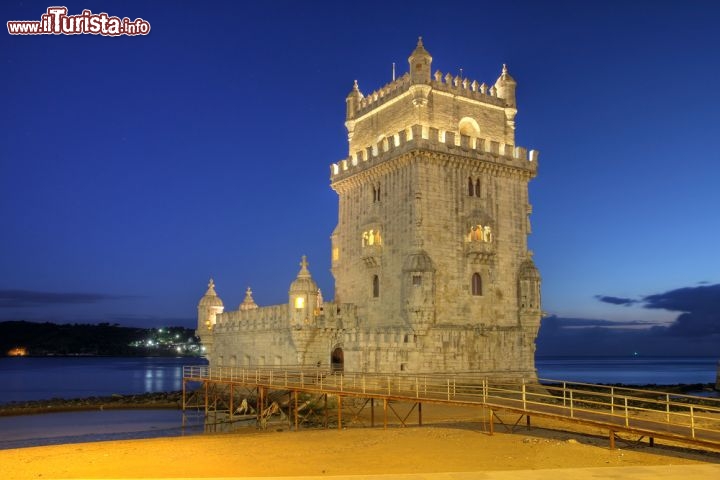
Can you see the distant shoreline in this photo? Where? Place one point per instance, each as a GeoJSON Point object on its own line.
{"type": "Point", "coordinates": [156, 400]}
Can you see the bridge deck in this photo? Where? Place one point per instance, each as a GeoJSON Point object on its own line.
{"type": "Point", "coordinates": [685, 419]}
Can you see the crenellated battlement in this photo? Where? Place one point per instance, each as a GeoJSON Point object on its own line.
{"type": "Point", "coordinates": [429, 138]}
{"type": "Point", "coordinates": [261, 318]}
{"type": "Point", "coordinates": [455, 85]}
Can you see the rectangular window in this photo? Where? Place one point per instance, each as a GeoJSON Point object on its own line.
{"type": "Point", "coordinates": [417, 280]}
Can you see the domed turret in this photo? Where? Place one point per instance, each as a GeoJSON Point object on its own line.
{"type": "Point", "coordinates": [505, 87]}
{"type": "Point", "coordinates": [210, 299]}
{"type": "Point", "coordinates": [209, 307]}
{"type": "Point", "coordinates": [420, 63]}
{"type": "Point", "coordinates": [248, 303]}
{"type": "Point", "coordinates": [528, 286]}
{"type": "Point", "coordinates": [353, 101]}
{"type": "Point", "coordinates": [303, 296]}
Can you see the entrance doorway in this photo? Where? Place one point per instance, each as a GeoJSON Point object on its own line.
{"type": "Point", "coordinates": [337, 360]}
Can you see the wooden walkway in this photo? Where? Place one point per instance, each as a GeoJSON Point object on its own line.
{"type": "Point", "coordinates": [685, 419]}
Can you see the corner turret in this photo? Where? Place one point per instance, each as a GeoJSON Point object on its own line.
{"type": "Point", "coordinates": [420, 63]}
{"type": "Point", "coordinates": [209, 307]}
{"type": "Point", "coordinates": [303, 297]}
{"type": "Point", "coordinates": [505, 89]}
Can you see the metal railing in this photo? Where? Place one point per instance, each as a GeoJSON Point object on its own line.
{"type": "Point", "coordinates": [617, 408]}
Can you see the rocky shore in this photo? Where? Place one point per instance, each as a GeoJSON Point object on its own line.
{"type": "Point", "coordinates": [169, 400]}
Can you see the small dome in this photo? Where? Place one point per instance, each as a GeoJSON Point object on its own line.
{"type": "Point", "coordinates": [505, 77]}
{"type": "Point", "coordinates": [528, 270]}
{"type": "Point", "coordinates": [304, 281]}
{"type": "Point", "coordinates": [355, 92]}
{"type": "Point", "coordinates": [418, 262]}
{"type": "Point", "coordinates": [210, 299]}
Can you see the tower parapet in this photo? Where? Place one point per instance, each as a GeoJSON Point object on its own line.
{"type": "Point", "coordinates": [450, 142]}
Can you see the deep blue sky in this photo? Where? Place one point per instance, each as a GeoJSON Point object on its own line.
{"type": "Point", "coordinates": [134, 168]}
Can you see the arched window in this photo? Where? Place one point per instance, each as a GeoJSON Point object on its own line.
{"type": "Point", "coordinates": [470, 186]}
{"type": "Point", "coordinates": [376, 286]}
{"type": "Point", "coordinates": [476, 284]}
{"type": "Point", "coordinates": [477, 188]}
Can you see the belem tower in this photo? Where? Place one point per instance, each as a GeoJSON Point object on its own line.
{"type": "Point", "coordinates": [430, 258]}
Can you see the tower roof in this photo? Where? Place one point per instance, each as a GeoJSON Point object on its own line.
{"type": "Point", "coordinates": [420, 50]}
{"type": "Point", "coordinates": [248, 303]}
{"type": "Point", "coordinates": [210, 299]}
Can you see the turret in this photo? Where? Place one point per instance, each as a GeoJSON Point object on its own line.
{"type": "Point", "coordinates": [209, 307]}
{"type": "Point", "coordinates": [303, 297]}
{"type": "Point", "coordinates": [352, 101]}
{"type": "Point", "coordinates": [420, 63]}
{"type": "Point", "coordinates": [419, 291]}
{"type": "Point", "coordinates": [529, 287]}
{"type": "Point", "coordinates": [505, 87]}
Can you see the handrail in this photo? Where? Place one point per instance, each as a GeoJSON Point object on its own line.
{"type": "Point", "coordinates": [670, 414]}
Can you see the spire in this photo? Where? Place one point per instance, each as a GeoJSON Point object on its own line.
{"type": "Point", "coordinates": [304, 272]}
{"type": "Point", "coordinates": [211, 288]}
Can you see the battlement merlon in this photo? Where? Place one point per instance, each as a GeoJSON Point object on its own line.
{"type": "Point", "coordinates": [488, 152]}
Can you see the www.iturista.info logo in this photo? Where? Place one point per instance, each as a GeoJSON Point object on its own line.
{"type": "Point", "coordinates": [56, 21]}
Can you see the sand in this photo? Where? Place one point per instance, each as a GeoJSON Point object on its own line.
{"type": "Point", "coordinates": [451, 440]}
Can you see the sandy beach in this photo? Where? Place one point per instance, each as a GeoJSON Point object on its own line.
{"type": "Point", "coordinates": [452, 440]}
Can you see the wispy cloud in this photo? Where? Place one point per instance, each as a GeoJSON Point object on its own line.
{"type": "Point", "coordinates": [31, 298]}
{"type": "Point", "coordinates": [616, 300]}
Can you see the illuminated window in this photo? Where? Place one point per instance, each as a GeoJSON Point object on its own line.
{"type": "Point", "coordinates": [480, 233]}
{"type": "Point", "coordinates": [371, 237]}
{"type": "Point", "coordinates": [299, 302]}
{"type": "Point", "coordinates": [335, 254]}
{"type": "Point", "coordinates": [476, 284]}
{"type": "Point", "coordinates": [376, 286]}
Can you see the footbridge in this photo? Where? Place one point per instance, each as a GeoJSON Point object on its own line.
{"type": "Point", "coordinates": [308, 396]}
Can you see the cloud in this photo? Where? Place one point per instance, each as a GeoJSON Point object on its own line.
{"type": "Point", "coordinates": [30, 298]}
{"type": "Point", "coordinates": [700, 307]}
{"type": "Point", "coordinates": [689, 299]}
{"type": "Point", "coordinates": [616, 300]}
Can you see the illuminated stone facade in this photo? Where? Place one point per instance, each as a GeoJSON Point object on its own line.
{"type": "Point", "coordinates": [430, 259]}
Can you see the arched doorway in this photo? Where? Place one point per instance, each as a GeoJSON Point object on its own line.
{"type": "Point", "coordinates": [337, 360]}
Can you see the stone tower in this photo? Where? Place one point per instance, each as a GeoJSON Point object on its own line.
{"type": "Point", "coordinates": [431, 241]}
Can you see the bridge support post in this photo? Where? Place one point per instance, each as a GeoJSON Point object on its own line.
{"type": "Point", "coordinates": [339, 407]}
{"type": "Point", "coordinates": [231, 403]}
{"type": "Point", "coordinates": [326, 410]}
{"type": "Point", "coordinates": [385, 405]}
{"type": "Point", "coordinates": [372, 412]}
{"type": "Point", "coordinates": [490, 425]}
{"type": "Point", "coordinates": [612, 440]}
{"type": "Point", "coordinates": [296, 410]}
{"type": "Point", "coordinates": [420, 414]}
